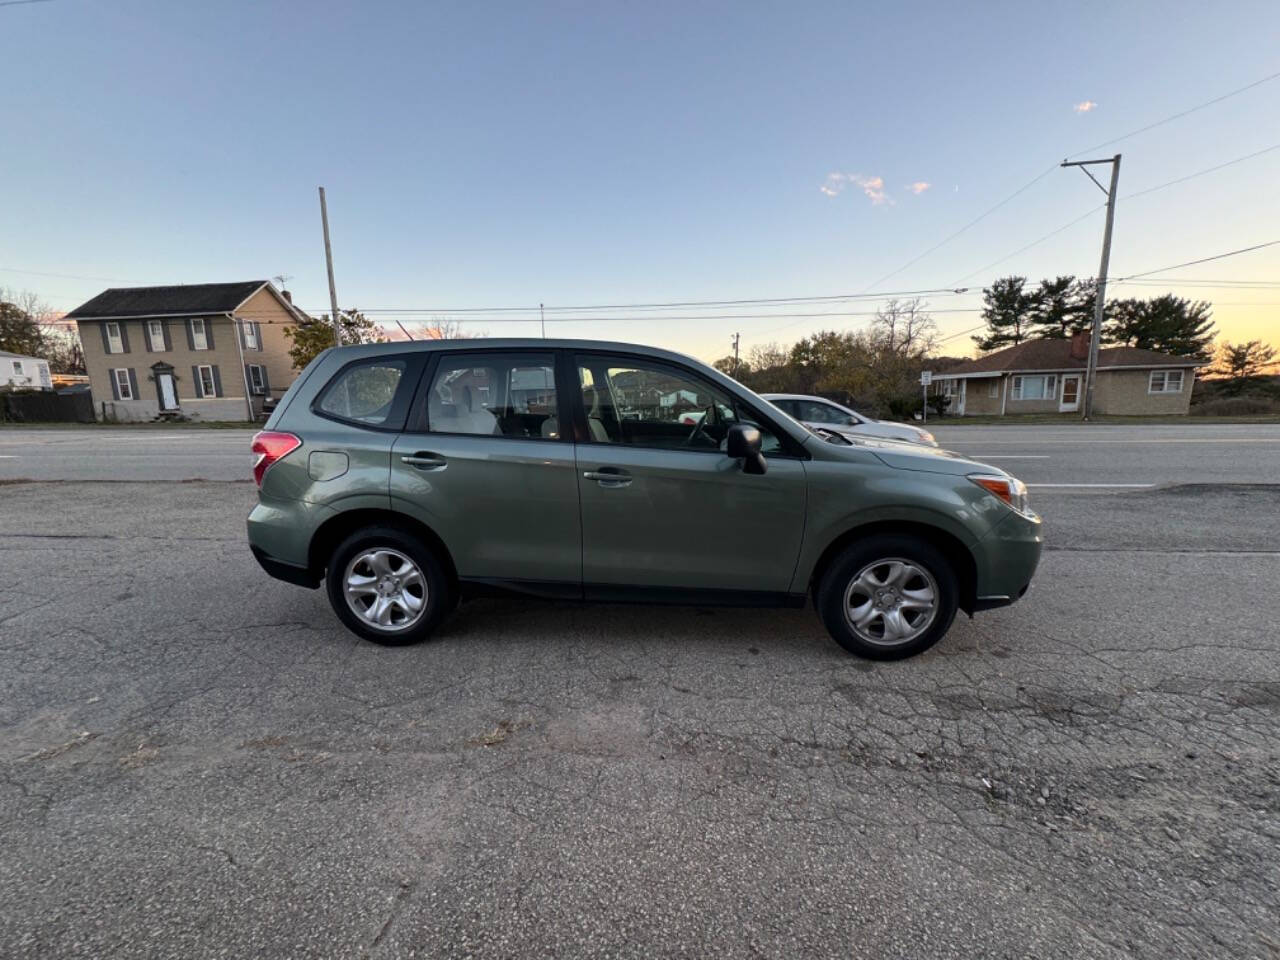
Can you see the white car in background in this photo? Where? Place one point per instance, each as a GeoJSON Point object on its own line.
{"type": "Point", "coordinates": [815, 412]}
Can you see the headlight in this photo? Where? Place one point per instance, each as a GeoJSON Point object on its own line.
{"type": "Point", "coordinates": [1009, 489]}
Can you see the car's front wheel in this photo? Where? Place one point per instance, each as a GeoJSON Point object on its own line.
{"type": "Point", "coordinates": [387, 586]}
{"type": "Point", "coordinates": [888, 597]}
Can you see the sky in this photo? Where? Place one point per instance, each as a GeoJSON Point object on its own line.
{"type": "Point", "coordinates": [595, 153]}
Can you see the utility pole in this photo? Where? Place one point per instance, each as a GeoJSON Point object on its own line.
{"type": "Point", "coordinates": [328, 259]}
{"type": "Point", "coordinates": [735, 356]}
{"type": "Point", "coordinates": [1099, 306]}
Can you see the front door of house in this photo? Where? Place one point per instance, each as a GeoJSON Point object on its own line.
{"type": "Point", "coordinates": [166, 390]}
{"type": "Point", "coordinates": [1070, 393]}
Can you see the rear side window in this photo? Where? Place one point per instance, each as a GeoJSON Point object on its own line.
{"type": "Point", "coordinates": [365, 393]}
{"type": "Point", "coordinates": [495, 395]}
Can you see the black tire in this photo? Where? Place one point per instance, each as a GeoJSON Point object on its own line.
{"type": "Point", "coordinates": [830, 597]}
{"type": "Point", "coordinates": [439, 599]}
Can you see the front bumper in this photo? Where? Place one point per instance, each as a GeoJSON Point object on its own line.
{"type": "Point", "coordinates": [1007, 560]}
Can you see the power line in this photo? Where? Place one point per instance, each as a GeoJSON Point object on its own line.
{"type": "Point", "coordinates": [1191, 263]}
{"type": "Point", "coordinates": [1201, 173]}
{"type": "Point", "coordinates": [1034, 243]}
{"type": "Point", "coordinates": [1176, 116]}
{"type": "Point", "coordinates": [976, 220]}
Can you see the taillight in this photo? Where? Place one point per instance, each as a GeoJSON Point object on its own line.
{"type": "Point", "coordinates": [268, 447]}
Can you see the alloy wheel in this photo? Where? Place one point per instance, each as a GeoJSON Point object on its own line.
{"type": "Point", "coordinates": [891, 602]}
{"type": "Point", "coordinates": [385, 589]}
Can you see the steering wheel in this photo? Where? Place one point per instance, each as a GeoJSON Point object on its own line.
{"type": "Point", "coordinates": [709, 414]}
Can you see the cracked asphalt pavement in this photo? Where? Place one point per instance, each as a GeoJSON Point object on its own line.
{"type": "Point", "coordinates": [198, 761]}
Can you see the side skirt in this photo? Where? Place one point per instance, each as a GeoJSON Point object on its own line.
{"type": "Point", "coordinates": [621, 593]}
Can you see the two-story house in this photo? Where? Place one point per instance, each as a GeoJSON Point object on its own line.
{"type": "Point", "coordinates": [205, 351]}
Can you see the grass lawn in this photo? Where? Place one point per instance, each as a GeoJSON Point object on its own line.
{"type": "Point", "coordinates": [184, 425]}
{"type": "Point", "coordinates": [1068, 419]}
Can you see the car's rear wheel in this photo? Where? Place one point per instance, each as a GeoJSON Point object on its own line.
{"type": "Point", "coordinates": [387, 586]}
{"type": "Point", "coordinates": [888, 597]}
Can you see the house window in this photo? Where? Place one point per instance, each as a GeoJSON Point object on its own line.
{"type": "Point", "coordinates": [123, 386]}
{"type": "Point", "coordinates": [17, 366]}
{"type": "Point", "coordinates": [155, 333]}
{"type": "Point", "coordinates": [1035, 388]}
{"type": "Point", "coordinates": [208, 387]}
{"type": "Point", "coordinates": [250, 336]}
{"type": "Point", "coordinates": [1165, 381]}
{"type": "Point", "coordinates": [114, 342]}
{"type": "Point", "coordinates": [256, 383]}
{"type": "Point", "coordinates": [948, 388]}
{"type": "Point", "coordinates": [993, 388]}
{"type": "Point", "coordinates": [199, 339]}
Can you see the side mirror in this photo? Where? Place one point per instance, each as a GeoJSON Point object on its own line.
{"type": "Point", "coordinates": [743, 443]}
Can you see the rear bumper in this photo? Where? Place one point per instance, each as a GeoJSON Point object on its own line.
{"type": "Point", "coordinates": [288, 572]}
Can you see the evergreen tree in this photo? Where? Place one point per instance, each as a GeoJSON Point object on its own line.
{"type": "Point", "coordinates": [1007, 309]}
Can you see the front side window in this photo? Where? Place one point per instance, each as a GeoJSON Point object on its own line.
{"type": "Point", "coordinates": [495, 395]}
{"type": "Point", "coordinates": [363, 393]}
{"type": "Point", "coordinates": [1165, 381]}
{"type": "Point", "coordinates": [155, 333]}
{"type": "Point", "coordinates": [654, 405]}
{"type": "Point", "coordinates": [199, 336]}
{"type": "Point", "coordinates": [123, 386]}
{"type": "Point", "coordinates": [115, 343]}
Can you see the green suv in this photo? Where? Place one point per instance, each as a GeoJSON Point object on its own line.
{"type": "Point", "coordinates": [407, 476]}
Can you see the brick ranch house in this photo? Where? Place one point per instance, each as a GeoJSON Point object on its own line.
{"type": "Point", "coordinates": [205, 351]}
{"type": "Point", "coordinates": [1047, 376]}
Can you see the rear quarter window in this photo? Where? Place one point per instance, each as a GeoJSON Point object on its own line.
{"type": "Point", "coordinates": [368, 393]}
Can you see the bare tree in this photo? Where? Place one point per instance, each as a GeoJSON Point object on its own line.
{"type": "Point", "coordinates": [445, 328]}
{"type": "Point", "coordinates": [905, 327]}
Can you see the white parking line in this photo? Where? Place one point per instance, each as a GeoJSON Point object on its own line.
{"type": "Point", "coordinates": [1011, 456]}
{"type": "Point", "coordinates": [1099, 486]}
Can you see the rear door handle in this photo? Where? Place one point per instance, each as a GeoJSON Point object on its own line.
{"type": "Point", "coordinates": [426, 461]}
{"type": "Point", "coordinates": [609, 477]}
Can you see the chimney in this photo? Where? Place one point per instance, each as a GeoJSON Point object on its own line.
{"type": "Point", "coordinates": [287, 295]}
{"type": "Point", "coordinates": [1080, 346]}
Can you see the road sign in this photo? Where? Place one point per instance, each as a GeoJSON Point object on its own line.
{"type": "Point", "coordinates": [926, 378]}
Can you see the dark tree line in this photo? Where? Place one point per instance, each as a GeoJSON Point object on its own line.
{"type": "Point", "coordinates": [1058, 308]}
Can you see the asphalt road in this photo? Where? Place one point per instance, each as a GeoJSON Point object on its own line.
{"type": "Point", "coordinates": [198, 761]}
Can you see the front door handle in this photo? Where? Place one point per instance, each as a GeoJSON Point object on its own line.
{"type": "Point", "coordinates": [609, 477]}
{"type": "Point", "coordinates": [426, 461]}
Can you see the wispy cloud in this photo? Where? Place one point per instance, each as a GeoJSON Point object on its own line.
{"type": "Point", "coordinates": [919, 187]}
{"type": "Point", "coordinates": [1084, 106]}
{"type": "Point", "coordinates": [873, 187]}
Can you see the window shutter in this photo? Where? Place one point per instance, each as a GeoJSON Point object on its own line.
{"type": "Point", "coordinates": [115, 385]}
{"type": "Point", "coordinates": [266, 380]}
{"type": "Point", "coordinates": [133, 383]}
{"type": "Point", "coordinates": [217, 383]}
{"type": "Point", "coordinates": [196, 390]}
{"type": "Point", "coordinates": [257, 330]}
{"type": "Point", "coordinates": [191, 337]}
{"type": "Point", "coordinates": [124, 336]}
{"type": "Point", "coordinates": [106, 341]}
{"type": "Point", "coordinates": [146, 335]}
{"type": "Point", "coordinates": [248, 376]}
{"type": "Point", "coordinates": [164, 330]}
{"type": "Point", "coordinates": [208, 335]}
